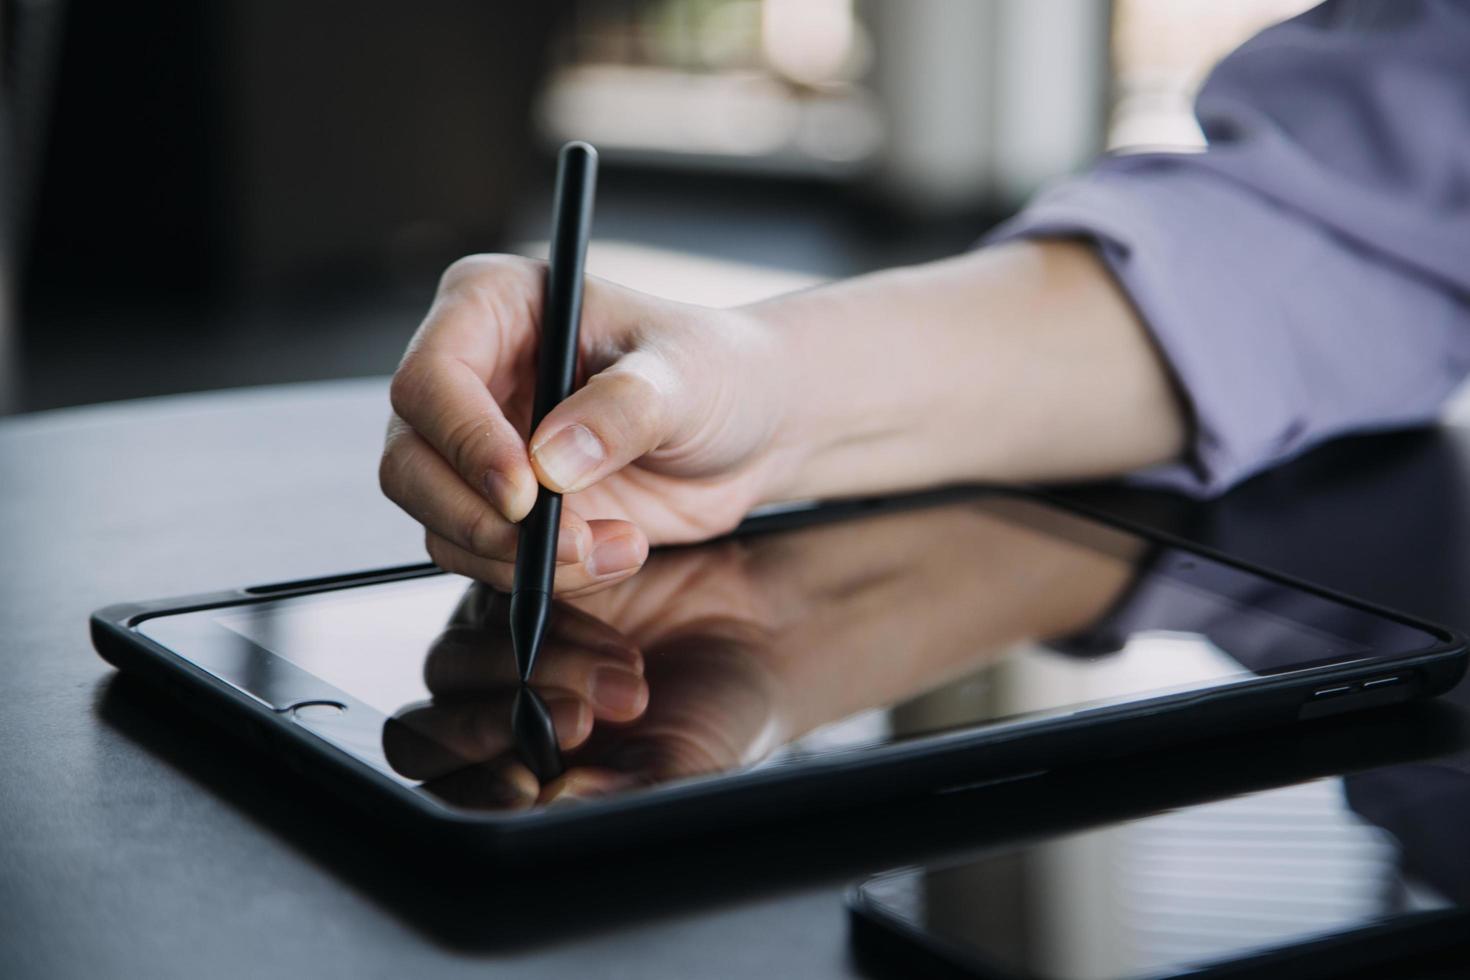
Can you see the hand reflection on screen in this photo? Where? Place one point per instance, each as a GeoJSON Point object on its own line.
{"type": "Point", "coordinates": [746, 644]}
{"type": "Point", "coordinates": [460, 742]}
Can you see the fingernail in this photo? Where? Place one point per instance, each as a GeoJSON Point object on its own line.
{"type": "Point", "coordinates": [569, 456]}
{"type": "Point", "coordinates": [614, 556]}
{"type": "Point", "coordinates": [502, 493]}
{"type": "Point", "coordinates": [571, 543]}
{"type": "Point", "coordinates": [617, 690]}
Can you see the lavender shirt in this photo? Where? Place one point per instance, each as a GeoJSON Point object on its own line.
{"type": "Point", "coordinates": [1308, 274]}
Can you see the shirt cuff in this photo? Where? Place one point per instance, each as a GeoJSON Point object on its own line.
{"type": "Point", "coordinates": [1253, 310]}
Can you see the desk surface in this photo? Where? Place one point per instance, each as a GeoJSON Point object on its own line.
{"type": "Point", "coordinates": [138, 844]}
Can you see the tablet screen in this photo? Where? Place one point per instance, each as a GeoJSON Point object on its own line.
{"type": "Point", "coordinates": [765, 649]}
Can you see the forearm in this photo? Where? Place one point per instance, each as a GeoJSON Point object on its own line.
{"type": "Point", "coordinates": [1020, 362]}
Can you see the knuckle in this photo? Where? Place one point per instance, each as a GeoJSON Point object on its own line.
{"type": "Point", "coordinates": [483, 533]}
{"type": "Point", "coordinates": [465, 442]}
{"type": "Point", "coordinates": [474, 272]}
{"type": "Point", "coordinates": [388, 470]}
{"type": "Point", "coordinates": [394, 464]}
{"type": "Point", "coordinates": [451, 558]}
{"type": "Point", "coordinates": [439, 553]}
{"type": "Point", "coordinates": [462, 270]}
{"type": "Point", "coordinates": [405, 391]}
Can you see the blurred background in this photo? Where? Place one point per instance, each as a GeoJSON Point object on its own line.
{"type": "Point", "coordinates": [210, 194]}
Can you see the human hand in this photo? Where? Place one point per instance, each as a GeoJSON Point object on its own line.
{"type": "Point", "coordinates": [748, 643]}
{"type": "Point", "coordinates": [460, 744]}
{"type": "Point", "coordinates": [671, 438]}
{"type": "Point", "coordinates": [698, 612]}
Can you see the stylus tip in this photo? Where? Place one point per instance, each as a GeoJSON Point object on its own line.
{"type": "Point", "coordinates": [529, 612]}
{"type": "Point", "coordinates": [535, 734]}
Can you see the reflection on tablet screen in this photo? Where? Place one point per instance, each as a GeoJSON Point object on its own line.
{"type": "Point", "coordinates": [762, 649]}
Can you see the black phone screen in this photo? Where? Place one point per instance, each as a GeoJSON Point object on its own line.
{"type": "Point", "coordinates": [764, 649]}
{"type": "Point", "coordinates": [1234, 882]}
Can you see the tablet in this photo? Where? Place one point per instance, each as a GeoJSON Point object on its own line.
{"type": "Point", "coordinates": [832, 656]}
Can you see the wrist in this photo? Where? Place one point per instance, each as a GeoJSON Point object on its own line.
{"type": "Point", "coordinates": [844, 400]}
{"type": "Point", "coordinates": [777, 376]}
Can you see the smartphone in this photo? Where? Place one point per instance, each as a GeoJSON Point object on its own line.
{"type": "Point", "coordinates": [1294, 882]}
{"type": "Point", "coordinates": [814, 660]}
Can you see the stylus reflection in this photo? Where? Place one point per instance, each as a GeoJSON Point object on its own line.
{"type": "Point", "coordinates": [718, 657]}
{"type": "Point", "coordinates": [469, 744]}
{"type": "Point", "coordinates": [533, 734]}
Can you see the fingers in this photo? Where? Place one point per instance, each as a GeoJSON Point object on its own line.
{"type": "Point", "coordinates": [585, 783]}
{"type": "Point", "coordinates": [452, 409]}
{"type": "Point", "coordinates": [465, 664]}
{"type": "Point", "coordinates": [618, 549]}
{"type": "Point", "coordinates": [619, 415]}
{"type": "Point", "coordinates": [462, 743]}
{"type": "Point", "coordinates": [616, 766]}
{"type": "Point", "coordinates": [501, 784]}
{"type": "Point", "coordinates": [418, 479]}
{"type": "Point", "coordinates": [432, 740]}
{"type": "Point", "coordinates": [480, 625]}
{"type": "Point", "coordinates": [476, 331]}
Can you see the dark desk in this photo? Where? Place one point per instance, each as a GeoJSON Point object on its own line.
{"type": "Point", "coordinates": [136, 844]}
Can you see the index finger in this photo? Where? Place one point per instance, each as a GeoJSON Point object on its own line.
{"type": "Point", "coordinates": [474, 335]}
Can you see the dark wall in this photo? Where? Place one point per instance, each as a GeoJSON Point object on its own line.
{"type": "Point", "coordinates": [258, 147]}
{"type": "Point", "coordinates": [124, 196]}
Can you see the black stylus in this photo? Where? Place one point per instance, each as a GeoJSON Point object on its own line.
{"type": "Point", "coordinates": [556, 368]}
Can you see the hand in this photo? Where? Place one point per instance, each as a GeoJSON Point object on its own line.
{"type": "Point", "coordinates": [746, 644]}
{"type": "Point", "coordinates": [750, 643]}
{"type": "Point", "coordinates": [460, 745]}
{"type": "Point", "coordinates": [703, 619]}
{"type": "Point", "coordinates": [670, 439]}
{"type": "Point", "coordinates": [1020, 362]}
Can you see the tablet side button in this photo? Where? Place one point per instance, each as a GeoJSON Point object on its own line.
{"type": "Point", "coordinates": [1372, 693]}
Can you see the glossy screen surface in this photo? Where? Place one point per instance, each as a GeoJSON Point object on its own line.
{"type": "Point", "coordinates": [770, 648]}
{"type": "Point", "coordinates": [1171, 894]}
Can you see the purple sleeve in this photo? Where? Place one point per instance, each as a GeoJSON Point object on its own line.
{"type": "Point", "coordinates": [1308, 274]}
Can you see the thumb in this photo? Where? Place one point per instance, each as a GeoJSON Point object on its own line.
{"type": "Point", "coordinates": [618, 416]}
